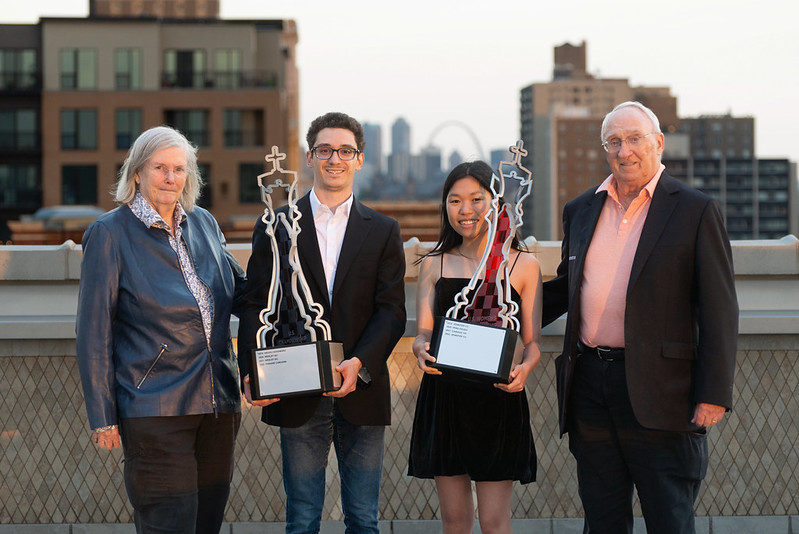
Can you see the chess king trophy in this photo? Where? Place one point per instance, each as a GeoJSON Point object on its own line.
{"type": "Point", "coordinates": [294, 354]}
{"type": "Point", "coordinates": [479, 339]}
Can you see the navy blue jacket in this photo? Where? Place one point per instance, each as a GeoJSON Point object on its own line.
{"type": "Point", "coordinates": [133, 301]}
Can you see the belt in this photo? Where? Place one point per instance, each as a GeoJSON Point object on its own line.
{"type": "Point", "coordinates": [606, 354]}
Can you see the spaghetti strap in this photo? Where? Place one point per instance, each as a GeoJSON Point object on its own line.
{"type": "Point", "coordinates": [514, 262]}
{"type": "Point", "coordinates": [441, 266]}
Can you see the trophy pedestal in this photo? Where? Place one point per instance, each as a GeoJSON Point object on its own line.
{"type": "Point", "coordinates": [295, 370]}
{"type": "Point", "coordinates": [475, 351]}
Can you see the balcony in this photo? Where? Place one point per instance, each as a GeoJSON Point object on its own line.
{"type": "Point", "coordinates": [220, 80]}
{"type": "Point", "coordinates": [20, 82]}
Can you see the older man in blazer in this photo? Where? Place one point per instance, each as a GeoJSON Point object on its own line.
{"type": "Point", "coordinates": [354, 262]}
{"type": "Point", "coordinates": [649, 352]}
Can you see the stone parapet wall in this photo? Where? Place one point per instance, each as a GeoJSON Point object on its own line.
{"type": "Point", "coordinates": [50, 473]}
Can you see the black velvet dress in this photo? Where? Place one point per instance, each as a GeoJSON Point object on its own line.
{"type": "Point", "coordinates": [465, 428]}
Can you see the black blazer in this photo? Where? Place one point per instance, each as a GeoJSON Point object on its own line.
{"type": "Point", "coordinates": [681, 319]}
{"type": "Point", "coordinates": [367, 314]}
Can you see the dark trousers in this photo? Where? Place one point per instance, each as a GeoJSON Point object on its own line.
{"type": "Point", "coordinates": [615, 454]}
{"type": "Point", "coordinates": [178, 471]}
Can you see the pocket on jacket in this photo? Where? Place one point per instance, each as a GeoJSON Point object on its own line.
{"type": "Point", "coordinates": [679, 351]}
{"type": "Point", "coordinates": [161, 350]}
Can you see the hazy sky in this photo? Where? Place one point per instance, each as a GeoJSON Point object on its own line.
{"type": "Point", "coordinates": [433, 61]}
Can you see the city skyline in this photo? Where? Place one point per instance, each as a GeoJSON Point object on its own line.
{"type": "Point", "coordinates": [440, 64]}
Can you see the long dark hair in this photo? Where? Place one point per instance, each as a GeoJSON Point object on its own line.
{"type": "Point", "coordinates": [448, 238]}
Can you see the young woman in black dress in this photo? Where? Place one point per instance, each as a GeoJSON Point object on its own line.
{"type": "Point", "coordinates": [464, 431]}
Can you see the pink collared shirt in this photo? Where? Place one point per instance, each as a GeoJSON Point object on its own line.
{"type": "Point", "coordinates": [608, 265]}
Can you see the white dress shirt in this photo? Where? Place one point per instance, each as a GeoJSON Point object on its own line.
{"type": "Point", "coordinates": [330, 228]}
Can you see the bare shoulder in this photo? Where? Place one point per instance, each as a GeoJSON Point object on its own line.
{"type": "Point", "coordinates": [526, 264]}
{"type": "Point", "coordinates": [430, 266]}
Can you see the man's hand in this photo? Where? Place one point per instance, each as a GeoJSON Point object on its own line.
{"type": "Point", "coordinates": [708, 415]}
{"type": "Point", "coordinates": [349, 377]}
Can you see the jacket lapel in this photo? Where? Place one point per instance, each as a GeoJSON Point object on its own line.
{"type": "Point", "coordinates": [354, 238]}
{"type": "Point", "coordinates": [664, 201]}
{"type": "Point", "coordinates": [308, 249]}
{"type": "Point", "coordinates": [585, 220]}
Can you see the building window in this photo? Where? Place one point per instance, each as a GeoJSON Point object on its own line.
{"type": "Point", "coordinates": [78, 129]}
{"type": "Point", "coordinates": [18, 69]}
{"type": "Point", "coordinates": [79, 184]}
{"type": "Point", "coordinates": [184, 68]}
{"type": "Point", "coordinates": [127, 68]}
{"type": "Point", "coordinates": [18, 129]}
{"type": "Point", "coordinates": [128, 127]}
{"type": "Point", "coordinates": [206, 200]}
{"type": "Point", "coordinates": [19, 187]}
{"type": "Point", "coordinates": [227, 68]}
{"type": "Point", "coordinates": [79, 68]}
{"type": "Point", "coordinates": [249, 192]}
{"type": "Point", "coordinates": [192, 123]}
{"type": "Point", "coordinates": [244, 127]}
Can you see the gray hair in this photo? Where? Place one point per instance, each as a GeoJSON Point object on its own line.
{"type": "Point", "coordinates": [630, 104]}
{"type": "Point", "coordinates": [143, 148]}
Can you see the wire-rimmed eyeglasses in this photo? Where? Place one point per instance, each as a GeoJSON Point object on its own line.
{"type": "Point", "coordinates": [163, 170]}
{"type": "Point", "coordinates": [344, 153]}
{"type": "Point", "coordinates": [613, 145]}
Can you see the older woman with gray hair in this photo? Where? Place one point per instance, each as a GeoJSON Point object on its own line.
{"type": "Point", "coordinates": [154, 349]}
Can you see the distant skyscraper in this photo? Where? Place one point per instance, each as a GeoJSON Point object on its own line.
{"type": "Point", "coordinates": [399, 167]}
{"type": "Point", "coordinates": [400, 137]}
{"type": "Point", "coordinates": [373, 153]}
{"type": "Point", "coordinates": [429, 164]}
{"type": "Point", "coordinates": [454, 159]}
{"type": "Point", "coordinates": [498, 156]}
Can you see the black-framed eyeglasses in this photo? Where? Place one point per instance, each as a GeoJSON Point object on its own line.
{"type": "Point", "coordinates": [634, 141]}
{"type": "Point", "coordinates": [344, 153]}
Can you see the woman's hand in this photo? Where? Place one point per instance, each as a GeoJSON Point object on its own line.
{"type": "Point", "coordinates": [518, 378]}
{"type": "Point", "coordinates": [421, 349]}
{"type": "Point", "coordinates": [106, 439]}
{"type": "Point", "coordinates": [248, 395]}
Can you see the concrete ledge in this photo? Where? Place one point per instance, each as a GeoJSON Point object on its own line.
{"type": "Point", "coordinates": [40, 262]}
{"type": "Point", "coordinates": [39, 286]}
{"type": "Point", "coordinates": [37, 327]}
{"type": "Point", "coordinates": [782, 256]}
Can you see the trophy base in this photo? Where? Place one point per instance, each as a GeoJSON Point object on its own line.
{"type": "Point", "coordinates": [474, 351]}
{"type": "Point", "coordinates": [295, 370]}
